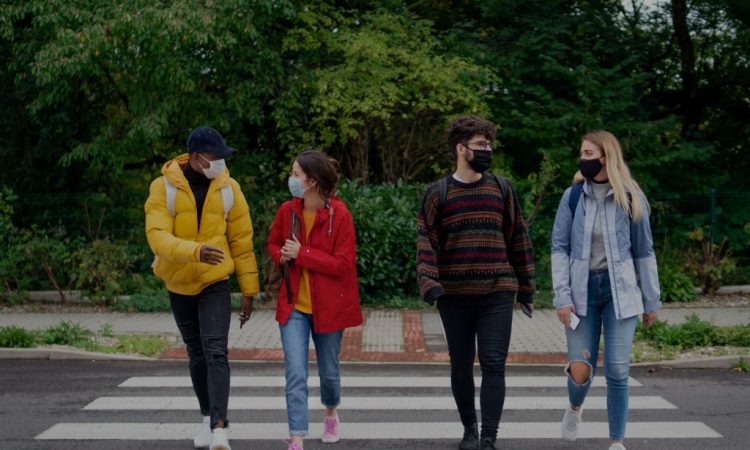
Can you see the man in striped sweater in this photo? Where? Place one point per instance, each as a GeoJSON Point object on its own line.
{"type": "Point", "coordinates": [474, 256]}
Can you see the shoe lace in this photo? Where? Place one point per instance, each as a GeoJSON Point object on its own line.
{"type": "Point", "coordinates": [330, 425]}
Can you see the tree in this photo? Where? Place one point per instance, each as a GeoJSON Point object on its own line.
{"type": "Point", "coordinates": [380, 97]}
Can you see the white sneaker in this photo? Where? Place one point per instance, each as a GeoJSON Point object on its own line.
{"type": "Point", "coordinates": [570, 422]}
{"type": "Point", "coordinates": [203, 438]}
{"type": "Point", "coordinates": [220, 439]}
{"type": "Point", "coordinates": [617, 447]}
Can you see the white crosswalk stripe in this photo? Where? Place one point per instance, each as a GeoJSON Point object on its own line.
{"type": "Point", "coordinates": [442, 400]}
{"type": "Point", "coordinates": [361, 403]}
{"type": "Point", "coordinates": [512, 430]}
{"type": "Point", "coordinates": [241, 381]}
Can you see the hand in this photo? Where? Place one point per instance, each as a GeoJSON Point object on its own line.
{"type": "Point", "coordinates": [211, 255]}
{"type": "Point", "coordinates": [563, 314]}
{"type": "Point", "coordinates": [246, 309]}
{"type": "Point", "coordinates": [291, 247]}
{"type": "Point", "coordinates": [649, 318]}
{"type": "Point", "coordinates": [283, 260]}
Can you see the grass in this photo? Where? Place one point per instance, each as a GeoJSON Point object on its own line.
{"type": "Point", "coordinates": [694, 337]}
{"type": "Point", "coordinates": [74, 335]}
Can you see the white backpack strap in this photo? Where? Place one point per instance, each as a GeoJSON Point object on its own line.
{"type": "Point", "coordinates": [227, 197]}
{"type": "Point", "coordinates": [171, 190]}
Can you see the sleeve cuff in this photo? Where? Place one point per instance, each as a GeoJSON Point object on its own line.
{"type": "Point", "coordinates": [522, 297]}
{"type": "Point", "coordinates": [433, 294]}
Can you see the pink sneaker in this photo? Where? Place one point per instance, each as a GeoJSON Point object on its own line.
{"type": "Point", "coordinates": [292, 445]}
{"type": "Point", "coordinates": [331, 429]}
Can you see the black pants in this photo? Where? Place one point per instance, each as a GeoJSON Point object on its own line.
{"type": "Point", "coordinates": [490, 326]}
{"type": "Point", "coordinates": [203, 321]}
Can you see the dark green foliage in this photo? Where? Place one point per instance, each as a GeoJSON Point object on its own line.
{"type": "Point", "coordinates": [66, 333]}
{"type": "Point", "coordinates": [100, 93]}
{"type": "Point", "coordinates": [386, 224]}
{"type": "Point", "coordinates": [693, 333]}
{"type": "Point", "coordinates": [17, 337]}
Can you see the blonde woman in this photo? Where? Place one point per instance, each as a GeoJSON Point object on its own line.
{"type": "Point", "coordinates": [604, 276]}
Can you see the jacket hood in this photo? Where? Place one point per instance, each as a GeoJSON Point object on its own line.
{"type": "Point", "coordinates": [172, 171]}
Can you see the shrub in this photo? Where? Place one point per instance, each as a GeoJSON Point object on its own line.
{"type": "Point", "coordinates": [101, 265]}
{"type": "Point", "coordinates": [676, 286]}
{"type": "Point", "coordinates": [66, 333]}
{"type": "Point", "coordinates": [385, 218]}
{"type": "Point", "coordinates": [710, 263]}
{"type": "Point", "coordinates": [150, 300]}
{"type": "Point", "coordinates": [18, 337]}
{"type": "Point", "coordinates": [693, 333]}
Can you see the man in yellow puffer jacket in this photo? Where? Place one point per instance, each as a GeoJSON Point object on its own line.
{"type": "Point", "coordinates": [198, 226]}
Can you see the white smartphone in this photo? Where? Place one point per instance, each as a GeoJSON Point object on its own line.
{"type": "Point", "coordinates": [573, 321]}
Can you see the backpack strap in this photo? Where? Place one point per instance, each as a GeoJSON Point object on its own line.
{"type": "Point", "coordinates": [171, 191]}
{"type": "Point", "coordinates": [442, 196]}
{"type": "Point", "coordinates": [575, 196]}
{"type": "Point", "coordinates": [227, 198]}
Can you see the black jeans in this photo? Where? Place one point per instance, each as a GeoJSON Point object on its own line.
{"type": "Point", "coordinates": [203, 321]}
{"type": "Point", "coordinates": [489, 324]}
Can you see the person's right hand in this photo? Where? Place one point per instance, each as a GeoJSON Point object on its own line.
{"type": "Point", "coordinates": [563, 314]}
{"type": "Point", "coordinates": [211, 255]}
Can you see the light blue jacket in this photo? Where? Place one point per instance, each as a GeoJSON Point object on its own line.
{"type": "Point", "coordinates": [630, 256]}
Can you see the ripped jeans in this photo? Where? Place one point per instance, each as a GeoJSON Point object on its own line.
{"type": "Point", "coordinates": [203, 321]}
{"type": "Point", "coordinates": [583, 345]}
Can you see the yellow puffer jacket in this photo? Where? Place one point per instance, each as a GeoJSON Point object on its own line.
{"type": "Point", "coordinates": [176, 241]}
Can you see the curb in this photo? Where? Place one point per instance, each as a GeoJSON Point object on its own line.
{"type": "Point", "coordinates": [271, 355]}
{"type": "Point", "coordinates": [67, 354]}
{"type": "Point", "coordinates": [712, 362]}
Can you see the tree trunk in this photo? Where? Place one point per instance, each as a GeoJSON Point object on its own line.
{"type": "Point", "coordinates": [690, 106]}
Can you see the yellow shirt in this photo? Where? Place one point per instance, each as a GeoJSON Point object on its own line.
{"type": "Point", "coordinates": [304, 301]}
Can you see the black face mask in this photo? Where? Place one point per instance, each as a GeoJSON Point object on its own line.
{"type": "Point", "coordinates": [482, 161]}
{"type": "Point", "coordinates": [590, 167]}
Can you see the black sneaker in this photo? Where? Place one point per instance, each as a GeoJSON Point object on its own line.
{"type": "Point", "coordinates": [487, 444]}
{"type": "Point", "coordinates": [470, 440]}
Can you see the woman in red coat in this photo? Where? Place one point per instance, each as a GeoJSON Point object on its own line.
{"type": "Point", "coordinates": [313, 237]}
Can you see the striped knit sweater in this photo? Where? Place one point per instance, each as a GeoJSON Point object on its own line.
{"type": "Point", "coordinates": [486, 247]}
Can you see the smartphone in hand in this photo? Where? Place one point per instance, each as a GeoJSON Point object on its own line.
{"type": "Point", "coordinates": [573, 321]}
{"type": "Point", "coordinates": [526, 310]}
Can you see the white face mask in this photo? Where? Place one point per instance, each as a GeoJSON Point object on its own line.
{"type": "Point", "coordinates": [215, 168]}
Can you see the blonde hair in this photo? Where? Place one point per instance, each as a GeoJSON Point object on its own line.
{"type": "Point", "coordinates": [618, 173]}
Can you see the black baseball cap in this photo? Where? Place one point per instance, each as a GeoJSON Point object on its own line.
{"type": "Point", "coordinates": [208, 140]}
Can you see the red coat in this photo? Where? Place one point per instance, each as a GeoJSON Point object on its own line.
{"type": "Point", "coordinates": [329, 255]}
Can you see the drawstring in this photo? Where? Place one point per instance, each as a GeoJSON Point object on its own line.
{"type": "Point", "coordinates": [330, 217]}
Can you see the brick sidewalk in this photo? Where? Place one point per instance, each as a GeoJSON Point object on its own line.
{"type": "Point", "coordinates": [386, 335]}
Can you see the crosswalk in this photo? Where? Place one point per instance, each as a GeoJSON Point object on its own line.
{"type": "Point", "coordinates": [523, 395]}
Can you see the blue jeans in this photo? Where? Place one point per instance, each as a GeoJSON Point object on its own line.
{"type": "Point", "coordinates": [295, 337]}
{"type": "Point", "coordinates": [583, 345]}
{"type": "Point", "coordinates": [203, 321]}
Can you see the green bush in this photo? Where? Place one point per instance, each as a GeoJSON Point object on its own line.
{"type": "Point", "coordinates": [101, 265]}
{"type": "Point", "coordinates": [385, 218]}
{"type": "Point", "coordinates": [693, 333]}
{"type": "Point", "coordinates": [150, 300]}
{"type": "Point", "coordinates": [17, 337]}
{"type": "Point", "coordinates": [676, 286]}
{"type": "Point", "coordinates": [738, 336]}
{"type": "Point", "coordinates": [66, 333]}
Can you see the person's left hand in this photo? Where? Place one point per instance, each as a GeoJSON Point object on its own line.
{"type": "Point", "coordinates": [291, 247]}
{"type": "Point", "coordinates": [246, 309]}
{"type": "Point", "coordinates": [649, 318]}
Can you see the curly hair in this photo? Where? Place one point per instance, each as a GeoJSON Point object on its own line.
{"type": "Point", "coordinates": [466, 127]}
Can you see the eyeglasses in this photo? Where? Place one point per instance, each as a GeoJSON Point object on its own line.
{"type": "Point", "coordinates": [483, 145]}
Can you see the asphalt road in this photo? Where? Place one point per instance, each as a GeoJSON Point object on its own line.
{"type": "Point", "coordinates": [40, 399]}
